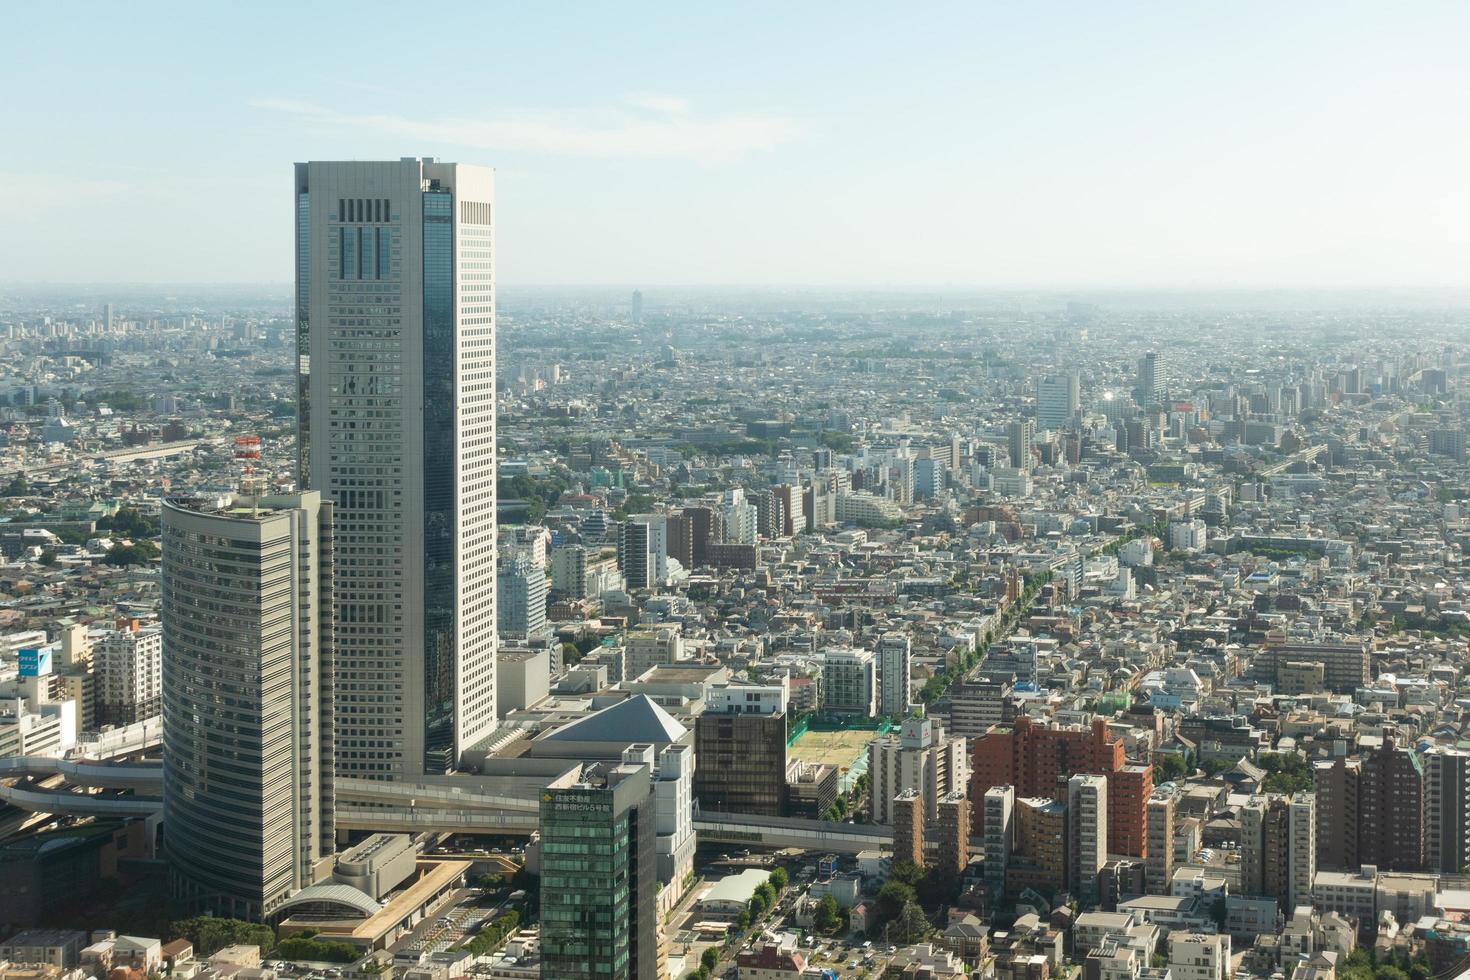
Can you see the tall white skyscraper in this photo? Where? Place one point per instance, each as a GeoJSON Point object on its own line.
{"type": "Point", "coordinates": [1058, 397]}
{"type": "Point", "coordinates": [395, 287]}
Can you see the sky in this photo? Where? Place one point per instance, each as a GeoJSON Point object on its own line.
{"type": "Point", "coordinates": [1007, 145]}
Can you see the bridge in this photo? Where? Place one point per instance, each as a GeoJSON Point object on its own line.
{"type": "Point", "coordinates": [779, 832]}
{"type": "Point", "coordinates": [406, 807]}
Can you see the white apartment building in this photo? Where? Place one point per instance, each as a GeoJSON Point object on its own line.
{"type": "Point", "coordinates": [920, 757]}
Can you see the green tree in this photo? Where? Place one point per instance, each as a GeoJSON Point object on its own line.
{"type": "Point", "coordinates": [710, 958]}
{"type": "Point", "coordinates": [778, 879]}
{"type": "Point", "coordinates": [17, 487]}
{"type": "Point", "coordinates": [209, 934]}
{"type": "Point", "coordinates": [892, 897]}
{"type": "Point", "coordinates": [48, 557]}
{"type": "Point", "coordinates": [913, 926]}
{"type": "Point", "coordinates": [828, 915]}
{"type": "Point", "coordinates": [742, 920]}
{"type": "Point", "coordinates": [138, 553]}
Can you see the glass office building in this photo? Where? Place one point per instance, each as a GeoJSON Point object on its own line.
{"type": "Point", "coordinates": [598, 880]}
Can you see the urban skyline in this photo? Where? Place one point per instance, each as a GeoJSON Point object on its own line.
{"type": "Point", "coordinates": [1073, 623]}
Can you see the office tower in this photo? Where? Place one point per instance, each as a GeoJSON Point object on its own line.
{"type": "Point", "coordinates": [1058, 400]}
{"type": "Point", "coordinates": [998, 831]}
{"type": "Point", "coordinates": [1034, 757]}
{"type": "Point", "coordinates": [1149, 390]}
{"type": "Point", "coordinates": [599, 915]}
{"type": "Point", "coordinates": [850, 682]}
{"type": "Point", "coordinates": [521, 597]}
{"type": "Point", "coordinates": [637, 306]}
{"type": "Point", "coordinates": [248, 630]}
{"type": "Point", "coordinates": [920, 757]}
{"type": "Point", "coordinates": [741, 756]}
{"type": "Point", "coordinates": [895, 687]}
{"type": "Point", "coordinates": [1021, 441]}
{"type": "Point", "coordinates": [954, 840]}
{"type": "Point", "coordinates": [1087, 833]}
{"type": "Point", "coordinates": [908, 827]}
{"type": "Point", "coordinates": [1446, 808]}
{"type": "Point", "coordinates": [128, 664]}
{"type": "Point", "coordinates": [635, 555]}
{"type": "Point", "coordinates": [1159, 865]}
{"type": "Point", "coordinates": [395, 320]}
{"type": "Point", "coordinates": [107, 316]}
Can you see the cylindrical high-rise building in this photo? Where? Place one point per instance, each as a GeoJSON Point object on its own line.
{"type": "Point", "coordinates": [395, 323]}
{"type": "Point", "coordinates": [247, 699]}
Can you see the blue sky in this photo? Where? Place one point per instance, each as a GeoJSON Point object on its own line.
{"type": "Point", "coordinates": [969, 144]}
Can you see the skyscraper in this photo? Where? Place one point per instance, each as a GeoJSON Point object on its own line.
{"type": "Point", "coordinates": [1021, 439]}
{"type": "Point", "coordinates": [1087, 831]}
{"type": "Point", "coordinates": [1149, 390]}
{"type": "Point", "coordinates": [599, 916]}
{"type": "Point", "coordinates": [637, 306]}
{"type": "Point", "coordinates": [395, 320]}
{"type": "Point", "coordinates": [635, 554]}
{"type": "Point", "coordinates": [1446, 809]}
{"type": "Point", "coordinates": [895, 686]}
{"type": "Point", "coordinates": [247, 677]}
{"type": "Point", "coordinates": [1058, 398]}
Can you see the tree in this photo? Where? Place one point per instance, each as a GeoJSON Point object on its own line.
{"type": "Point", "coordinates": [742, 920]}
{"type": "Point", "coordinates": [138, 553]}
{"type": "Point", "coordinates": [828, 916]}
{"type": "Point", "coordinates": [48, 557]}
{"type": "Point", "coordinates": [778, 879]}
{"type": "Point", "coordinates": [1171, 766]}
{"type": "Point", "coordinates": [209, 935]}
{"type": "Point", "coordinates": [906, 872]}
{"type": "Point", "coordinates": [892, 897]}
{"type": "Point", "coordinates": [913, 926]}
{"type": "Point", "coordinates": [710, 958]}
{"type": "Point", "coordinates": [17, 487]}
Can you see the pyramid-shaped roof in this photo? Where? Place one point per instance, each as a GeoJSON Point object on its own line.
{"type": "Point", "coordinates": [638, 719]}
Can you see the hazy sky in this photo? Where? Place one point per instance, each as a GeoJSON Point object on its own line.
{"type": "Point", "coordinates": [979, 144]}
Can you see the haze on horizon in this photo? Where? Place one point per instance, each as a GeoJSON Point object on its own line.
{"type": "Point", "coordinates": [1134, 145]}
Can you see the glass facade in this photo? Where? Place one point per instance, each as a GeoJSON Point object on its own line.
{"type": "Point", "coordinates": [303, 339]}
{"type": "Point", "coordinates": [598, 915]}
{"type": "Point", "coordinates": [440, 452]}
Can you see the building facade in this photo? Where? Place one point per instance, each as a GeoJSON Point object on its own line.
{"type": "Point", "coordinates": [248, 623]}
{"type": "Point", "coordinates": [395, 321]}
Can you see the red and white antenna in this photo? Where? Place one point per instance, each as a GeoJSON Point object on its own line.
{"type": "Point", "coordinates": [247, 455]}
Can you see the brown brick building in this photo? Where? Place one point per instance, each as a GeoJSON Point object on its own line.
{"type": "Point", "coordinates": [1038, 759]}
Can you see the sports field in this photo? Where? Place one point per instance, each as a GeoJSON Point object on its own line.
{"type": "Point", "coordinates": [840, 749]}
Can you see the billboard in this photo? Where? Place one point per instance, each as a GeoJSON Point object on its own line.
{"type": "Point", "coordinates": [35, 661]}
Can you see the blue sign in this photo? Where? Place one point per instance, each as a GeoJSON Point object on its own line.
{"type": "Point", "coordinates": [35, 661]}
